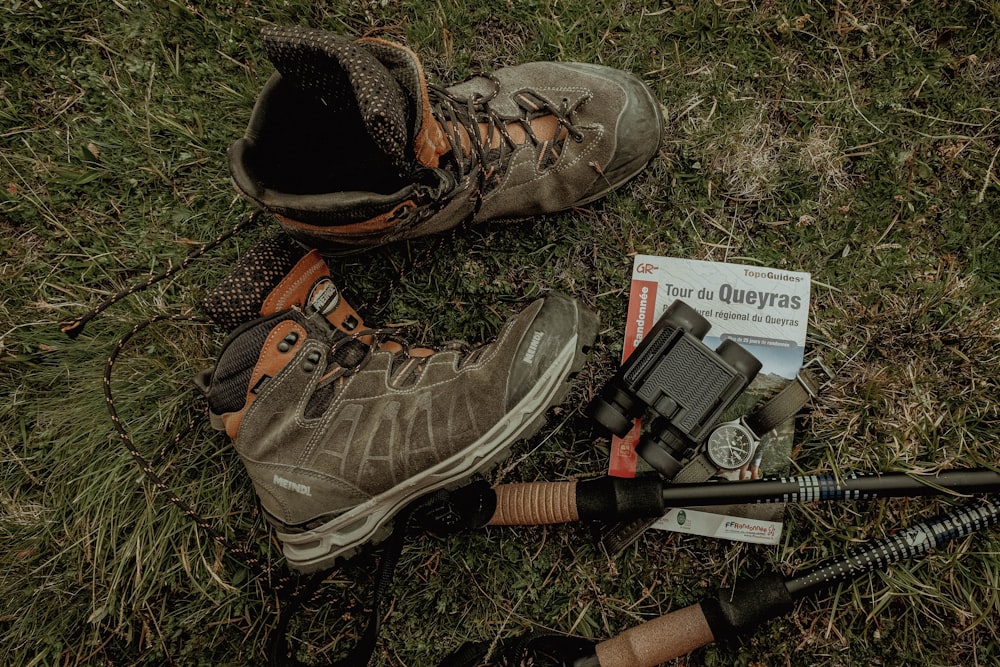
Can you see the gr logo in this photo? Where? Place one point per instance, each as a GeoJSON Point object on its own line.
{"type": "Point", "coordinates": [645, 268]}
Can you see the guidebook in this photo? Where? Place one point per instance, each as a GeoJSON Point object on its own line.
{"type": "Point", "coordinates": [765, 310]}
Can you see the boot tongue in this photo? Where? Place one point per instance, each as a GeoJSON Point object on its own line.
{"type": "Point", "coordinates": [239, 297]}
{"type": "Point", "coordinates": [308, 286]}
{"type": "Point", "coordinates": [429, 140]}
{"type": "Point", "coordinates": [274, 275]}
{"type": "Point", "coordinates": [348, 79]}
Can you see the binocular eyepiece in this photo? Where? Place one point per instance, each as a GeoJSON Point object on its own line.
{"type": "Point", "coordinates": [684, 382]}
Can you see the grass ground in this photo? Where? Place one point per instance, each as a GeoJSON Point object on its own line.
{"type": "Point", "coordinates": [854, 140]}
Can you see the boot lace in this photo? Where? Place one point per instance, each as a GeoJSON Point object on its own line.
{"type": "Point", "coordinates": [352, 353]}
{"type": "Point", "coordinates": [482, 124]}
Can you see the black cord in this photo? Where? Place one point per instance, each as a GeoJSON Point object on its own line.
{"type": "Point", "coordinates": [74, 327]}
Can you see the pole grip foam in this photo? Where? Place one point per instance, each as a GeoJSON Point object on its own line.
{"type": "Point", "coordinates": [657, 641]}
{"type": "Point", "coordinates": [535, 503]}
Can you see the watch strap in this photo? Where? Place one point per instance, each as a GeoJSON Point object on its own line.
{"type": "Point", "coordinates": [698, 469]}
{"type": "Point", "coordinates": [784, 404]}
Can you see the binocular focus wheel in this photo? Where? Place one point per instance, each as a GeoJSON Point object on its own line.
{"type": "Point", "coordinates": [682, 316]}
{"type": "Point", "coordinates": [610, 417]}
{"type": "Point", "coordinates": [741, 360]}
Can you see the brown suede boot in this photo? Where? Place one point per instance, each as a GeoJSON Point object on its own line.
{"type": "Point", "coordinates": [350, 145]}
{"type": "Point", "coordinates": [340, 425]}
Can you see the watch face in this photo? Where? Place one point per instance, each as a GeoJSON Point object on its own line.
{"type": "Point", "coordinates": [730, 446]}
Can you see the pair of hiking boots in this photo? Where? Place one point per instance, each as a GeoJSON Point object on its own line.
{"type": "Point", "coordinates": [341, 425]}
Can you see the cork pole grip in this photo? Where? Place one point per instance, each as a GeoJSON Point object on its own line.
{"type": "Point", "coordinates": [535, 503]}
{"type": "Point", "coordinates": [657, 641]}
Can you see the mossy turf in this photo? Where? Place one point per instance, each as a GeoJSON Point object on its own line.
{"type": "Point", "coordinates": [857, 141]}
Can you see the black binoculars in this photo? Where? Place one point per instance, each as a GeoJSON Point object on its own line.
{"type": "Point", "coordinates": [684, 382]}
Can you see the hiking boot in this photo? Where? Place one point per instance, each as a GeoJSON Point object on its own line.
{"type": "Point", "coordinates": [348, 143]}
{"type": "Point", "coordinates": [341, 425]}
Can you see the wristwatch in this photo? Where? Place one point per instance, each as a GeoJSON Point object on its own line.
{"type": "Point", "coordinates": [731, 445]}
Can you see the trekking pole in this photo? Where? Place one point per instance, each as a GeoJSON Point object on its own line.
{"type": "Point", "coordinates": [739, 609]}
{"type": "Point", "coordinates": [614, 499]}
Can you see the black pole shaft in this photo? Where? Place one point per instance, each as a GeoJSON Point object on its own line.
{"type": "Point", "coordinates": [916, 540]}
{"type": "Point", "coordinates": [811, 488]}
{"type": "Point", "coordinates": [740, 608]}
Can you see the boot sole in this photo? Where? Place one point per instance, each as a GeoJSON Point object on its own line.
{"type": "Point", "coordinates": [369, 523]}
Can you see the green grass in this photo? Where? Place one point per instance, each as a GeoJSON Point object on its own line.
{"type": "Point", "coordinates": [858, 142]}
